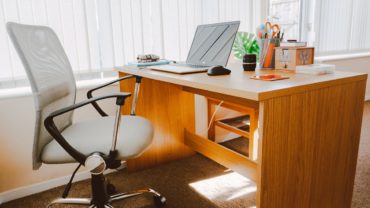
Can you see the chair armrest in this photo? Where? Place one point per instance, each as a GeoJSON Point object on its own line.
{"type": "Point", "coordinates": [56, 134]}
{"type": "Point", "coordinates": [89, 93]}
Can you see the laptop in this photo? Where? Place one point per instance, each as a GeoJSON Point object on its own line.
{"type": "Point", "coordinates": [211, 46]}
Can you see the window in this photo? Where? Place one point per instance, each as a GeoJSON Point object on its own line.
{"type": "Point", "coordinates": [100, 34]}
{"type": "Point", "coordinates": [332, 26]}
{"type": "Point", "coordinates": [287, 14]}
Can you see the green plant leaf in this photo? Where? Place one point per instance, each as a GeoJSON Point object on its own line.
{"type": "Point", "coordinates": [245, 43]}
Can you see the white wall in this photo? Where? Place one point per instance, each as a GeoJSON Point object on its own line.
{"type": "Point", "coordinates": [16, 137]}
{"type": "Point", "coordinates": [361, 64]}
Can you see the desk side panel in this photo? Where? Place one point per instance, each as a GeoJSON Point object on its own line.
{"type": "Point", "coordinates": [309, 146]}
{"type": "Point", "coordinates": [170, 110]}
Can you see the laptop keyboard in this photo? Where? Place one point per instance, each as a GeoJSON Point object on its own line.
{"type": "Point", "coordinates": [191, 65]}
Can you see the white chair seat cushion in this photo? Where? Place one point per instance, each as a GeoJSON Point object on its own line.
{"type": "Point", "coordinates": [135, 135]}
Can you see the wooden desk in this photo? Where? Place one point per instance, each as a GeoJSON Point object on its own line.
{"type": "Point", "coordinates": [308, 130]}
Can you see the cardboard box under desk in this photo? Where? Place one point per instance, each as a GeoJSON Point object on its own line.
{"type": "Point", "coordinates": [289, 57]}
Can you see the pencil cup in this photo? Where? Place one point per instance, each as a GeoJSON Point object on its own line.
{"type": "Point", "coordinates": [263, 44]}
{"type": "Point", "coordinates": [267, 54]}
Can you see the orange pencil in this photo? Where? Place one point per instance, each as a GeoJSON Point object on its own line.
{"type": "Point", "coordinates": [269, 54]}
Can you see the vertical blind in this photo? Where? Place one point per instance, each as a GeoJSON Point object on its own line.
{"type": "Point", "coordinates": [342, 25]}
{"type": "Point", "coordinates": [100, 34]}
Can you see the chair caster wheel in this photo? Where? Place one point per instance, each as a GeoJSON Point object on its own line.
{"type": "Point", "coordinates": [159, 201]}
{"type": "Point", "coordinates": [111, 190]}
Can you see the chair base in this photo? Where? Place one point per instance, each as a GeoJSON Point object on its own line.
{"type": "Point", "coordinates": [102, 196]}
{"type": "Point", "coordinates": [159, 200]}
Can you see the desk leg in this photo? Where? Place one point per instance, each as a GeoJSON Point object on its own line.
{"type": "Point", "coordinates": [212, 129]}
{"type": "Point", "coordinates": [170, 109]}
{"type": "Point", "coordinates": [309, 146]}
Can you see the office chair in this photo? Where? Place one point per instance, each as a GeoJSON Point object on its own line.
{"type": "Point", "coordinates": [62, 141]}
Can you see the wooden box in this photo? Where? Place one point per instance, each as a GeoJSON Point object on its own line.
{"type": "Point", "coordinates": [289, 57]}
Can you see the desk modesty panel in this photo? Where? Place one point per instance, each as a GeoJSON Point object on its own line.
{"type": "Point", "coordinates": [308, 130]}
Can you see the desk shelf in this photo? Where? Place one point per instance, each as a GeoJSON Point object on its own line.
{"type": "Point", "coordinates": [239, 145]}
{"type": "Point", "coordinates": [242, 124]}
{"type": "Point", "coordinates": [239, 125]}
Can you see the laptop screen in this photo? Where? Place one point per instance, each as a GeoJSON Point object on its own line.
{"type": "Point", "coordinates": [212, 44]}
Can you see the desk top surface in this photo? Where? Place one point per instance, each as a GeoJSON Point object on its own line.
{"type": "Point", "coordinates": [239, 83]}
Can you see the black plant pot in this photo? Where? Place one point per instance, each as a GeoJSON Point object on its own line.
{"type": "Point", "coordinates": [249, 62]}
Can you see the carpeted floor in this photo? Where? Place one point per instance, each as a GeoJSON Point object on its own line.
{"type": "Point", "coordinates": [361, 192]}
{"type": "Point", "coordinates": [185, 183]}
{"type": "Point", "coordinates": [197, 182]}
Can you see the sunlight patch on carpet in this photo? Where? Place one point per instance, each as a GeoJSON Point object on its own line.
{"type": "Point", "coordinates": [226, 187]}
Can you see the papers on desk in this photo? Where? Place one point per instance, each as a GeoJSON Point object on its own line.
{"type": "Point", "coordinates": [316, 69]}
{"type": "Point", "coordinates": [160, 62]}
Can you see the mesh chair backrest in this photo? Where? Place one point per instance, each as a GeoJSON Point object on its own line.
{"type": "Point", "coordinates": [50, 75]}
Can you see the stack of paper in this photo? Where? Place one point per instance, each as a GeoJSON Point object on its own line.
{"type": "Point", "coordinates": [316, 69]}
{"type": "Point", "coordinates": [293, 44]}
{"type": "Point", "coordinates": [159, 62]}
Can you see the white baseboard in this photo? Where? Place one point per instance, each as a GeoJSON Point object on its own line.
{"type": "Point", "coordinates": [45, 185]}
{"type": "Point", "coordinates": [367, 98]}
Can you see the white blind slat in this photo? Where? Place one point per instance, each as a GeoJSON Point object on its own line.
{"type": "Point", "coordinates": [243, 11]}
{"type": "Point", "coordinates": [210, 11]}
{"type": "Point", "coordinates": [147, 25]}
{"type": "Point", "coordinates": [171, 29]}
{"type": "Point", "coordinates": [81, 36]}
{"type": "Point", "coordinates": [54, 16]}
{"type": "Point", "coordinates": [68, 25]}
{"type": "Point", "coordinates": [5, 59]}
{"type": "Point", "coordinates": [93, 38]}
{"type": "Point", "coordinates": [183, 36]}
{"type": "Point", "coordinates": [39, 12]}
{"type": "Point", "coordinates": [128, 33]}
{"type": "Point", "coordinates": [194, 17]}
{"type": "Point", "coordinates": [117, 32]}
{"type": "Point", "coordinates": [137, 27]}
{"type": "Point", "coordinates": [157, 28]}
{"type": "Point", "coordinates": [105, 33]}
{"type": "Point", "coordinates": [25, 11]}
{"type": "Point", "coordinates": [360, 38]}
{"type": "Point", "coordinates": [12, 14]}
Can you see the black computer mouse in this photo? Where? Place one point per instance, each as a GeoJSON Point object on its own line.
{"type": "Point", "coordinates": [218, 70]}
